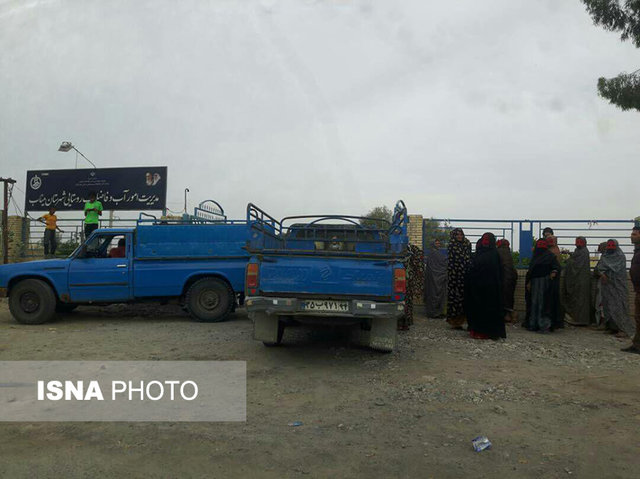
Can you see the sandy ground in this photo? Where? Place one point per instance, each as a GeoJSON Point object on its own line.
{"type": "Point", "coordinates": [559, 405]}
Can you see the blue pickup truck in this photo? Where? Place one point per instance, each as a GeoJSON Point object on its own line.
{"type": "Point", "coordinates": [197, 263]}
{"type": "Point", "coordinates": [327, 269]}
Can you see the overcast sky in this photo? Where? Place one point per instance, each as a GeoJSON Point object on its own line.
{"type": "Point", "coordinates": [461, 108]}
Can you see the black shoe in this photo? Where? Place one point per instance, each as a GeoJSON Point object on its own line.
{"type": "Point", "coordinates": [631, 349]}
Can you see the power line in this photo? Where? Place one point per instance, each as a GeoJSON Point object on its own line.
{"type": "Point", "coordinates": [15, 204]}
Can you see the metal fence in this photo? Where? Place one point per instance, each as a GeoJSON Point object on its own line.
{"type": "Point", "coordinates": [71, 236]}
{"type": "Point", "coordinates": [523, 233]}
{"type": "Point", "coordinates": [209, 211]}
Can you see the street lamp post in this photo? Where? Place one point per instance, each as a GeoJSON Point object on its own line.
{"type": "Point", "coordinates": [67, 146]}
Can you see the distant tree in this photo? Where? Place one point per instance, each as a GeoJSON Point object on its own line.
{"type": "Point", "coordinates": [619, 16]}
{"type": "Point", "coordinates": [377, 213]}
{"type": "Point", "coordinates": [434, 231]}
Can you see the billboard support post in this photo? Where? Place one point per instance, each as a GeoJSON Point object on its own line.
{"type": "Point", "coordinates": [5, 219]}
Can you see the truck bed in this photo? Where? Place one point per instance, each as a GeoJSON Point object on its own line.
{"type": "Point", "coordinates": [332, 277]}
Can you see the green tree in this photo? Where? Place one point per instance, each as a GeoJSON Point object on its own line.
{"type": "Point", "coordinates": [434, 231]}
{"type": "Point", "coordinates": [67, 247]}
{"type": "Point", "coordinates": [619, 16]}
{"type": "Point", "coordinates": [377, 213]}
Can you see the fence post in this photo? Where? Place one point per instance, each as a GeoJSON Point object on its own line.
{"type": "Point", "coordinates": [415, 230]}
{"type": "Point", "coordinates": [526, 241]}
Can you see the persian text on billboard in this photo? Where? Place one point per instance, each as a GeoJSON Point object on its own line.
{"type": "Point", "coordinates": [140, 188]}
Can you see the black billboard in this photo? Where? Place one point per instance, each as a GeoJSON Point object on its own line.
{"type": "Point", "coordinates": [132, 189]}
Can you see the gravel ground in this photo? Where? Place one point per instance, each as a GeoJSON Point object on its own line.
{"type": "Point", "coordinates": [557, 405]}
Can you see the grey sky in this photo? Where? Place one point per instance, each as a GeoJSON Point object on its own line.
{"type": "Point", "coordinates": [462, 108]}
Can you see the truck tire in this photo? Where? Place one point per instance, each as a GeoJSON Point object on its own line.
{"type": "Point", "coordinates": [209, 300]}
{"type": "Point", "coordinates": [383, 336]}
{"type": "Point", "coordinates": [32, 301]}
{"type": "Point", "coordinates": [267, 328]}
{"type": "Point", "coordinates": [278, 341]}
{"type": "Point", "coordinates": [65, 307]}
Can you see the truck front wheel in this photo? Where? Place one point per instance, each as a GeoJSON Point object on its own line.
{"type": "Point", "coordinates": [32, 301]}
{"type": "Point", "coordinates": [210, 300]}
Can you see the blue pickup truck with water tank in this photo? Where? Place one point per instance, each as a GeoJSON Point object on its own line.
{"type": "Point", "coordinates": [198, 261]}
{"type": "Point", "coordinates": [337, 270]}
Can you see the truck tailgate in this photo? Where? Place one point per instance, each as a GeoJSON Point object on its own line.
{"type": "Point", "coordinates": [335, 277]}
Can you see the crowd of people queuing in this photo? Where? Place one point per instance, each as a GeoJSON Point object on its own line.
{"type": "Point", "coordinates": [478, 288]}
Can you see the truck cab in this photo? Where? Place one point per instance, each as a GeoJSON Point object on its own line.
{"type": "Point", "coordinates": [197, 261]}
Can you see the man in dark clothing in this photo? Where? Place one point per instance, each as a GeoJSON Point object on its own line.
{"type": "Point", "coordinates": [635, 279]}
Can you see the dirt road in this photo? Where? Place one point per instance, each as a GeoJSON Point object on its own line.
{"type": "Point", "coordinates": [559, 405]}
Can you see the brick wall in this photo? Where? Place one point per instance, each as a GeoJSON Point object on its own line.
{"type": "Point", "coordinates": [415, 238]}
{"type": "Point", "coordinates": [18, 232]}
{"type": "Point", "coordinates": [415, 230]}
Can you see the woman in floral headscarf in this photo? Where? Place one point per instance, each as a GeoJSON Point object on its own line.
{"type": "Point", "coordinates": [458, 262]}
{"type": "Point", "coordinates": [414, 266]}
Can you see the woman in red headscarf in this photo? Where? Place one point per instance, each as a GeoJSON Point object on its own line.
{"type": "Point", "coordinates": [576, 291]}
{"type": "Point", "coordinates": [612, 268]}
{"type": "Point", "coordinates": [558, 319]}
{"type": "Point", "coordinates": [483, 292]}
{"type": "Point", "coordinates": [542, 300]}
{"type": "Point", "coordinates": [552, 244]}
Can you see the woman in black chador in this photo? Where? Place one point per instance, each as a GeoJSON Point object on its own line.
{"type": "Point", "coordinates": [541, 289]}
{"type": "Point", "coordinates": [483, 292]}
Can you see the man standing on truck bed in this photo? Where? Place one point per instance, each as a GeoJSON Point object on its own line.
{"type": "Point", "coordinates": [92, 213]}
{"type": "Point", "coordinates": [51, 225]}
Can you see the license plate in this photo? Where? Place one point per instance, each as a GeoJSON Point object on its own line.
{"type": "Point", "coordinates": [326, 306]}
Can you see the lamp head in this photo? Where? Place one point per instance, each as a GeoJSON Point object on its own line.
{"type": "Point", "coordinates": [65, 146]}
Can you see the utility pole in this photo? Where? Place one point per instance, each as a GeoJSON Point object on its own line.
{"type": "Point", "coordinates": [5, 219]}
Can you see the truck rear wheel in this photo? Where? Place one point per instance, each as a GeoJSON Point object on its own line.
{"type": "Point", "coordinates": [278, 340]}
{"type": "Point", "coordinates": [384, 334]}
{"type": "Point", "coordinates": [267, 328]}
{"type": "Point", "coordinates": [32, 301]}
{"type": "Point", "coordinates": [209, 300]}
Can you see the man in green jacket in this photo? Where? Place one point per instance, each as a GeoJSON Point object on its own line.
{"type": "Point", "coordinates": [92, 213]}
